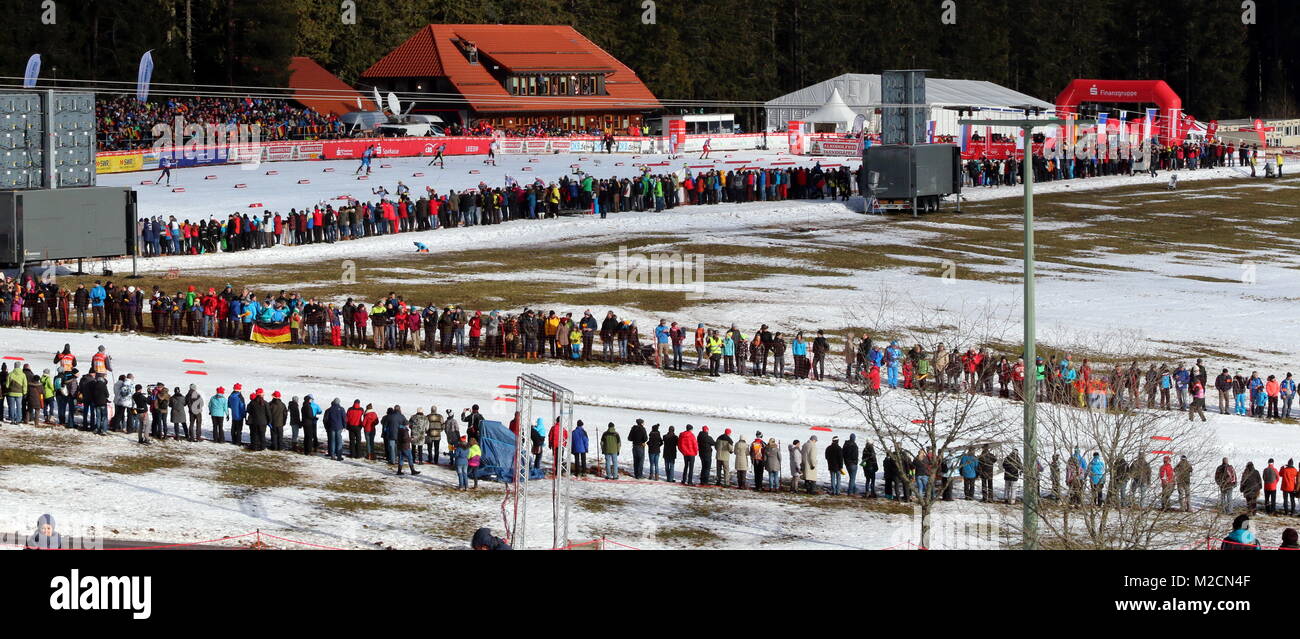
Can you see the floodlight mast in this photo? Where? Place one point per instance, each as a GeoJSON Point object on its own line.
{"type": "Point", "coordinates": [1030, 503]}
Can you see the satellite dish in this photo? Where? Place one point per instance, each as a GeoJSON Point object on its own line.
{"type": "Point", "coordinates": [393, 104]}
{"type": "Point", "coordinates": [379, 104]}
{"type": "Point", "coordinates": [858, 123]}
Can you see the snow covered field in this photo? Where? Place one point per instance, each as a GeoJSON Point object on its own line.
{"type": "Point", "coordinates": [358, 504]}
{"type": "Point", "coordinates": [1122, 270]}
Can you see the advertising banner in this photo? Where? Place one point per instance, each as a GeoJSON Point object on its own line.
{"type": "Point", "coordinates": [794, 128]}
{"type": "Point", "coordinates": [118, 162]}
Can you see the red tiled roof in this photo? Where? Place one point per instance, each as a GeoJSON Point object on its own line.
{"type": "Point", "coordinates": [322, 91]}
{"type": "Point", "coordinates": [433, 52]}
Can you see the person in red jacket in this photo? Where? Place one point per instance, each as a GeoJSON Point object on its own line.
{"type": "Point", "coordinates": [1289, 486]}
{"type": "Point", "coordinates": [368, 422]}
{"type": "Point", "coordinates": [353, 419]}
{"type": "Point", "coordinates": [690, 449]}
{"type": "Point", "coordinates": [1166, 483]}
{"type": "Point", "coordinates": [359, 318]}
{"type": "Point", "coordinates": [873, 379]}
{"type": "Point", "coordinates": [553, 439]}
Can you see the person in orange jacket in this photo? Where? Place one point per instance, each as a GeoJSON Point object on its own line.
{"type": "Point", "coordinates": [1272, 388]}
{"type": "Point", "coordinates": [1288, 484]}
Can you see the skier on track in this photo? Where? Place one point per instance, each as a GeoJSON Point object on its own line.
{"type": "Point", "coordinates": [708, 145]}
{"type": "Point", "coordinates": [437, 156]}
{"type": "Point", "coordinates": [365, 159]}
{"type": "Point", "coordinates": [165, 164]}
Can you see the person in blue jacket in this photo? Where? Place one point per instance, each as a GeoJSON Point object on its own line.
{"type": "Point", "coordinates": [969, 465]}
{"type": "Point", "coordinates": [238, 410]}
{"type": "Point", "coordinates": [97, 297]}
{"type": "Point", "coordinates": [1097, 473]}
{"type": "Point", "coordinates": [334, 425]}
{"type": "Point", "coordinates": [1288, 395]}
{"type": "Point", "coordinates": [894, 356]}
{"type": "Point", "coordinates": [1242, 536]}
{"type": "Point", "coordinates": [460, 459]}
{"type": "Point", "coordinates": [578, 441]}
{"type": "Point", "coordinates": [218, 410]}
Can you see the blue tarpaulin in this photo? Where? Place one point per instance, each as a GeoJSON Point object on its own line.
{"type": "Point", "coordinates": [498, 445]}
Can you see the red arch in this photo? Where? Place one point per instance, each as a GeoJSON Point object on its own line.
{"type": "Point", "coordinates": [1167, 122]}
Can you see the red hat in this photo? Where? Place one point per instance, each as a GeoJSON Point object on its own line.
{"type": "Point", "coordinates": [221, 390]}
{"type": "Point", "coordinates": [258, 392]}
{"type": "Point", "coordinates": [239, 387]}
{"type": "Point", "coordinates": [727, 432]}
{"type": "Point", "coordinates": [275, 394]}
{"type": "Point", "coordinates": [704, 429]}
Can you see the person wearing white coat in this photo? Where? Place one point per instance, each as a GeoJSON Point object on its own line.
{"type": "Point", "coordinates": [742, 460]}
{"type": "Point", "coordinates": [810, 464]}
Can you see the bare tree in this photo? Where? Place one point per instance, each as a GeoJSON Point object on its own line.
{"type": "Point", "coordinates": [934, 423]}
{"type": "Point", "coordinates": [1121, 502]}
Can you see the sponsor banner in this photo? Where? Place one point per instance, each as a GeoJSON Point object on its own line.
{"type": "Point", "coordinates": [118, 162]}
{"type": "Point", "coordinates": [999, 150]}
{"type": "Point", "coordinates": [837, 147]}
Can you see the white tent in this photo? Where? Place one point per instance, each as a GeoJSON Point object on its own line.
{"type": "Point", "coordinates": [860, 93]}
{"type": "Point", "coordinates": [833, 117]}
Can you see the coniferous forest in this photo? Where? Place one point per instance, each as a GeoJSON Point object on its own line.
{"type": "Point", "coordinates": [704, 50]}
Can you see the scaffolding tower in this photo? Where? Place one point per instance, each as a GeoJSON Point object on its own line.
{"type": "Point", "coordinates": [534, 397]}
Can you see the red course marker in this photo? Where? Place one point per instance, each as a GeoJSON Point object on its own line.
{"type": "Point", "coordinates": [385, 166]}
{"type": "Point", "coordinates": [146, 182]}
{"type": "Point", "coordinates": [304, 181]}
{"type": "Point", "coordinates": [209, 177]}
{"type": "Point", "coordinates": [363, 177]}
{"type": "Point", "coordinates": [14, 358]}
{"type": "Point", "coordinates": [1162, 438]}
{"type": "Point", "coordinates": [193, 361]}
{"type": "Point", "coordinates": [255, 205]}
{"type": "Point", "coordinates": [327, 170]}
{"type": "Point", "coordinates": [822, 428]}
{"type": "Point", "coordinates": [1162, 452]}
{"type": "Point", "coordinates": [241, 186]}
{"type": "Point", "coordinates": [179, 189]}
{"type": "Point", "coordinates": [272, 172]}
{"type": "Point", "coordinates": [417, 175]}
{"type": "Point", "coordinates": [195, 373]}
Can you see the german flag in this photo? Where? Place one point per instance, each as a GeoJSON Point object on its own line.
{"type": "Point", "coordinates": [269, 333]}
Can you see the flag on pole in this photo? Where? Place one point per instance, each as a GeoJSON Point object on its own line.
{"type": "Point", "coordinates": [965, 137]}
{"type": "Point", "coordinates": [33, 70]}
{"type": "Point", "coordinates": [270, 332]}
{"type": "Point", "coordinates": [929, 132]}
{"type": "Point", "coordinates": [143, 76]}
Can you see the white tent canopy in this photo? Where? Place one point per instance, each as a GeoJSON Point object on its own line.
{"type": "Point", "coordinates": [860, 93]}
{"type": "Point", "coordinates": [835, 114]}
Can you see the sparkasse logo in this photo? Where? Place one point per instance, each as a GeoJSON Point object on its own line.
{"type": "Point", "coordinates": [90, 592]}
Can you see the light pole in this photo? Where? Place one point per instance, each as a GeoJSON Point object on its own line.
{"type": "Point", "coordinates": [1030, 509]}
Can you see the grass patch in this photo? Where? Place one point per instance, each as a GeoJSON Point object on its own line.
{"type": "Point", "coordinates": [601, 504]}
{"type": "Point", "coordinates": [686, 535]}
{"type": "Point", "coordinates": [24, 457]}
{"type": "Point", "coordinates": [457, 528]}
{"type": "Point", "coordinates": [356, 486]}
{"type": "Point", "coordinates": [137, 464]}
{"type": "Point", "coordinates": [354, 504]}
{"type": "Point", "coordinates": [256, 471]}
